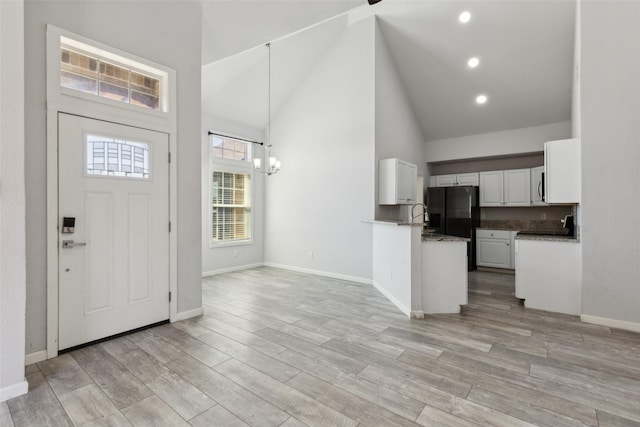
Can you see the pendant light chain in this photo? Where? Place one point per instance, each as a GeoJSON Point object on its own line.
{"type": "Point", "coordinates": [272, 165]}
{"type": "Point", "coordinates": [269, 98]}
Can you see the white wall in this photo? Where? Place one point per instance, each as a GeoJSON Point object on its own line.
{"type": "Point", "coordinates": [394, 259]}
{"type": "Point", "coordinates": [503, 143]}
{"type": "Point", "coordinates": [324, 136]}
{"type": "Point", "coordinates": [576, 113]}
{"type": "Point", "coordinates": [166, 32]}
{"type": "Point", "coordinates": [398, 132]}
{"type": "Point", "coordinates": [227, 258]}
{"type": "Point", "coordinates": [12, 201]}
{"type": "Point", "coordinates": [610, 152]}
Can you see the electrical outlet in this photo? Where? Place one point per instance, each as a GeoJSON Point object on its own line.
{"type": "Point", "coordinates": [543, 215]}
{"type": "Point", "coordinates": [483, 215]}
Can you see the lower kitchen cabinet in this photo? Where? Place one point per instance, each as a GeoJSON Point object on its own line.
{"type": "Point", "coordinates": [493, 248]}
{"type": "Point", "coordinates": [548, 275]}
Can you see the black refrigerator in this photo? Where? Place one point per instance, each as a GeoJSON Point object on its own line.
{"type": "Point", "coordinates": [455, 211]}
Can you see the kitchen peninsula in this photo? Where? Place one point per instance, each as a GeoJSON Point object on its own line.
{"type": "Point", "coordinates": [419, 274]}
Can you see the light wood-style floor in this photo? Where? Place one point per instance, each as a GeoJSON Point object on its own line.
{"type": "Point", "coordinates": [277, 348]}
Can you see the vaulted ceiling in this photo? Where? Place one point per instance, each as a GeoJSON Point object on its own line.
{"type": "Point", "coordinates": [525, 50]}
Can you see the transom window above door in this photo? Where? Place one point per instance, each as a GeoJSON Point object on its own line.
{"type": "Point", "coordinates": [85, 70]}
{"type": "Point", "coordinates": [93, 75]}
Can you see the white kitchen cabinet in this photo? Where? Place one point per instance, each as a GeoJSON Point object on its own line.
{"type": "Point", "coordinates": [505, 188]}
{"type": "Point", "coordinates": [493, 248]}
{"type": "Point", "coordinates": [444, 180]}
{"type": "Point", "coordinates": [548, 275]}
{"type": "Point", "coordinates": [537, 186]}
{"type": "Point", "coordinates": [444, 276]}
{"type": "Point", "coordinates": [468, 179]}
{"type": "Point", "coordinates": [512, 248]}
{"type": "Point", "coordinates": [517, 187]}
{"type": "Point", "coordinates": [562, 171]}
{"type": "Point", "coordinates": [397, 182]}
{"type": "Point", "coordinates": [492, 188]}
{"type": "Point", "coordinates": [456, 179]}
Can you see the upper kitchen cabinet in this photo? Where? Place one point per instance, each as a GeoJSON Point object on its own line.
{"type": "Point", "coordinates": [505, 188]}
{"type": "Point", "coordinates": [562, 171]}
{"type": "Point", "coordinates": [537, 186]}
{"type": "Point", "coordinates": [455, 179]}
{"type": "Point", "coordinates": [517, 187]}
{"type": "Point", "coordinates": [492, 188]}
{"type": "Point", "coordinates": [397, 182]}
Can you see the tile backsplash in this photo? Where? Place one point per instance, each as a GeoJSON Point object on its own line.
{"type": "Point", "coordinates": [522, 225]}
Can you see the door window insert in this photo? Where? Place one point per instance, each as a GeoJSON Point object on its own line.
{"type": "Point", "coordinates": [114, 157]}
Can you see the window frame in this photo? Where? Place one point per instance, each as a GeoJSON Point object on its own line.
{"type": "Point", "coordinates": [219, 164]}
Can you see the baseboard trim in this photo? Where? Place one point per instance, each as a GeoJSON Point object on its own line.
{"type": "Point", "coordinates": [35, 357]}
{"type": "Point", "coordinates": [14, 390]}
{"type": "Point", "coordinates": [393, 299]}
{"type": "Point", "coordinates": [320, 273]}
{"type": "Point", "coordinates": [612, 323]}
{"type": "Point", "coordinates": [417, 314]}
{"type": "Point", "coordinates": [231, 269]}
{"type": "Point", "coordinates": [184, 315]}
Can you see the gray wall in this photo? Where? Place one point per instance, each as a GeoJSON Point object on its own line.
{"type": "Point", "coordinates": [220, 258]}
{"type": "Point", "coordinates": [324, 136]}
{"type": "Point", "coordinates": [481, 165]}
{"type": "Point", "coordinates": [494, 144]}
{"type": "Point", "coordinates": [167, 32]}
{"type": "Point", "coordinates": [398, 133]}
{"type": "Point", "coordinates": [12, 201]}
{"type": "Point", "coordinates": [610, 104]}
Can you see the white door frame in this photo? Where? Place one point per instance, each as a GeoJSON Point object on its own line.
{"type": "Point", "coordinates": [58, 102]}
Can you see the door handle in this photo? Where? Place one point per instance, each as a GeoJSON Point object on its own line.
{"type": "Point", "coordinates": [71, 244]}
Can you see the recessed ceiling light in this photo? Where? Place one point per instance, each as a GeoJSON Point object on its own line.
{"type": "Point", "coordinates": [481, 99]}
{"type": "Point", "coordinates": [473, 62]}
{"type": "Point", "coordinates": [464, 17]}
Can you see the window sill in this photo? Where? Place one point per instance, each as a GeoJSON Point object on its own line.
{"type": "Point", "coordinates": [232, 243]}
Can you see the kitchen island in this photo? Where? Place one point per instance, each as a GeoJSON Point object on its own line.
{"type": "Point", "coordinates": [548, 272]}
{"type": "Point", "coordinates": [419, 274]}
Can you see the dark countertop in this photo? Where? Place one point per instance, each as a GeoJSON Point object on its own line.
{"type": "Point", "coordinates": [432, 237]}
{"type": "Point", "coordinates": [548, 237]}
{"type": "Point", "coordinates": [394, 222]}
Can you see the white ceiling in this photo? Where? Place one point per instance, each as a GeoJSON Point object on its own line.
{"type": "Point", "coordinates": [233, 26]}
{"type": "Point", "coordinates": [525, 49]}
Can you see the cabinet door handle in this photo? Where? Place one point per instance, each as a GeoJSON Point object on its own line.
{"type": "Point", "coordinates": [539, 189]}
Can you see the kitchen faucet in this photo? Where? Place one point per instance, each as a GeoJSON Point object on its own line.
{"type": "Point", "coordinates": [424, 213]}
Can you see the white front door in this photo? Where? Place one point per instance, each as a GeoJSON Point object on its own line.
{"type": "Point", "coordinates": [113, 188]}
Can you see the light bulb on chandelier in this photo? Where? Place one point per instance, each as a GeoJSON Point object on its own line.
{"type": "Point", "coordinates": [272, 164]}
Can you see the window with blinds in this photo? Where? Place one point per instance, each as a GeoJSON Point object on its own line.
{"type": "Point", "coordinates": [230, 206]}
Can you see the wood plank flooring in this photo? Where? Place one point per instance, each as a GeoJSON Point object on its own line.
{"type": "Point", "coordinates": [278, 348]}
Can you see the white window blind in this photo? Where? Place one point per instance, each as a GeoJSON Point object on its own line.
{"type": "Point", "coordinates": [230, 206]}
